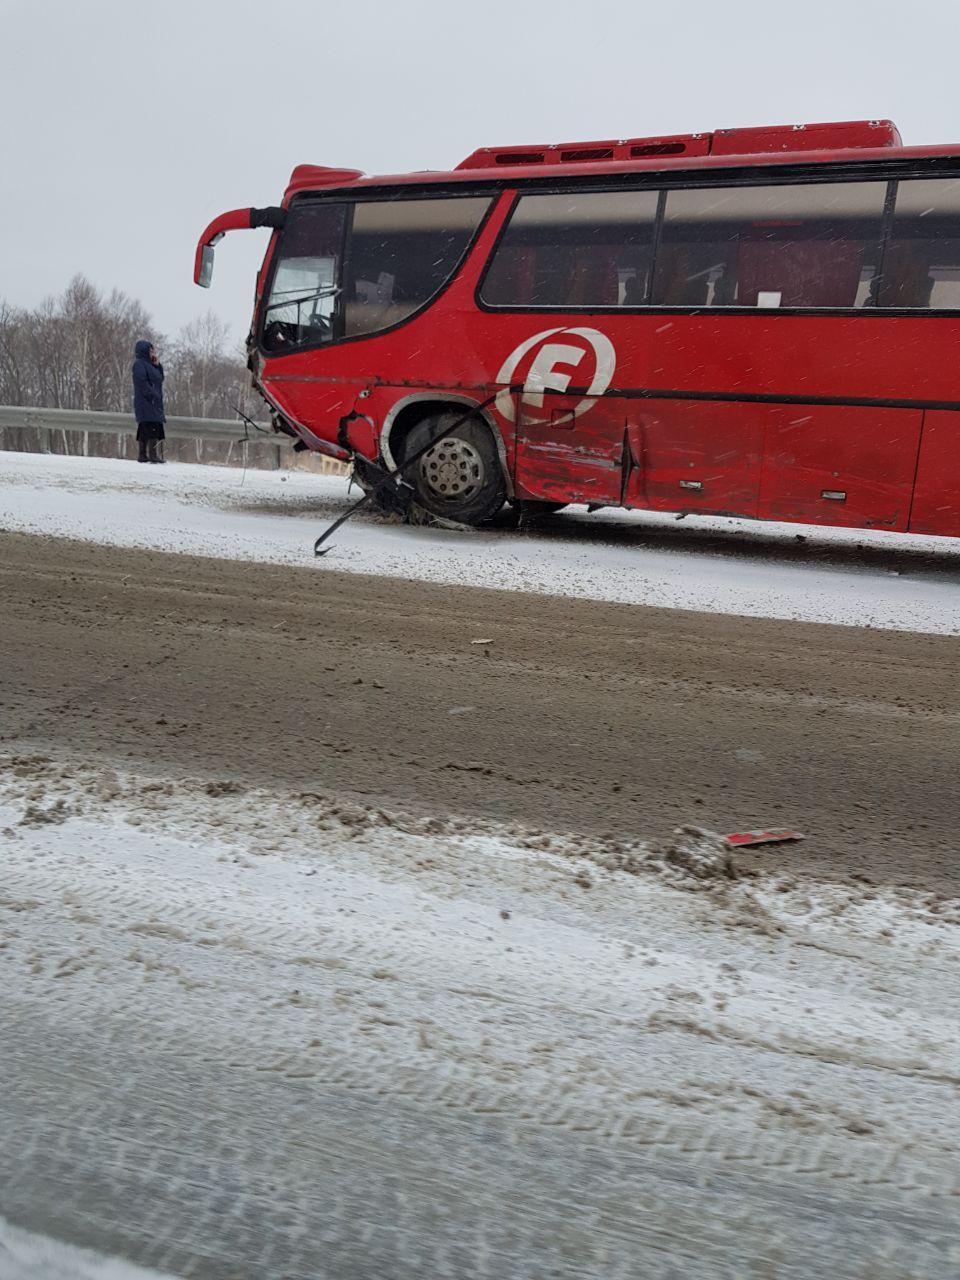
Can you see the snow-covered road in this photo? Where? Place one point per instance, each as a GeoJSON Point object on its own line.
{"type": "Point", "coordinates": [855, 577]}
{"type": "Point", "coordinates": [277, 1035]}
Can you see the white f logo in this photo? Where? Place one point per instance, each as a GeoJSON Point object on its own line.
{"type": "Point", "coordinates": [552, 369]}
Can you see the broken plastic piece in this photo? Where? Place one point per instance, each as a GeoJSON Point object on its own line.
{"type": "Point", "coordinates": [761, 837]}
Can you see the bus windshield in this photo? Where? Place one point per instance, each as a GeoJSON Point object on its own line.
{"type": "Point", "coordinates": [303, 294]}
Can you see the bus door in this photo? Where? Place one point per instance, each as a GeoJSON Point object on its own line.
{"type": "Point", "coordinates": [840, 464]}
{"type": "Point", "coordinates": [694, 455]}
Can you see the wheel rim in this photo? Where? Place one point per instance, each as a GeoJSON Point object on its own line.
{"type": "Point", "coordinates": [452, 470]}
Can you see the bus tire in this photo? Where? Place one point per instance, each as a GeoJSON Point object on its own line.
{"type": "Point", "coordinates": [460, 477]}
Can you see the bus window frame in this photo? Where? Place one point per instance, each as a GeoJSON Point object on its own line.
{"type": "Point", "coordinates": [890, 172]}
{"type": "Point", "coordinates": [492, 192]}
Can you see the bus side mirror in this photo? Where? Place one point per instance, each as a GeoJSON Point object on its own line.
{"type": "Point", "coordinates": [206, 266]}
{"type": "Point", "coordinates": [235, 220]}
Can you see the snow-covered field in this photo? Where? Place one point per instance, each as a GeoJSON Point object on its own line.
{"type": "Point", "coordinates": [852, 577]}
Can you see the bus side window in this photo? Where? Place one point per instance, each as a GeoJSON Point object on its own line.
{"type": "Point", "coordinates": [510, 278]}
{"type": "Point", "coordinates": [796, 245]}
{"type": "Point", "coordinates": [400, 254]}
{"type": "Point", "coordinates": [580, 249]}
{"type": "Point", "coordinates": [921, 267]}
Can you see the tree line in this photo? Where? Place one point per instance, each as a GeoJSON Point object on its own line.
{"type": "Point", "coordinates": [74, 351]}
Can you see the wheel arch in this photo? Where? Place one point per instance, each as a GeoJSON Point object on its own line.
{"type": "Point", "coordinates": [412, 409]}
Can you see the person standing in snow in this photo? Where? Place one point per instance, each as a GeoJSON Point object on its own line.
{"type": "Point", "coordinates": [148, 402]}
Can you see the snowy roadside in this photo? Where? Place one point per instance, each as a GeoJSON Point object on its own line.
{"type": "Point", "coordinates": [816, 1011]}
{"type": "Point", "coordinates": [26, 1256]}
{"type": "Point", "coordinates": [229, 1010]}
{"type": "Point", "coordinates": [851, 577]}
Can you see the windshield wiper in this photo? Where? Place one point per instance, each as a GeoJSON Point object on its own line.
{"type": "Point", "coordinates": [328, 291]}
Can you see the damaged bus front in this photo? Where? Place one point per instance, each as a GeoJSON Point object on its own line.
{"type": "Point", "coordinates": [345, 264]}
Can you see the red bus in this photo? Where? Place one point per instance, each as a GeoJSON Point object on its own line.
{"type": "Point", "coordinates": [756, 322]}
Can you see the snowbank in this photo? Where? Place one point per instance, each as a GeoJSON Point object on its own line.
{"type": "Point", "coordinates": [192, 902]}
{"type": "Point", "coordinates": [26, 1256]}
{"type": "Point", "coordinates": [258, 1031]}
{"type": "Point", "coordinates": [851, 577]}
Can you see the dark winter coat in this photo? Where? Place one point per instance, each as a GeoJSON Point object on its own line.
{"type": "Point", "coordinates": [147, 386]}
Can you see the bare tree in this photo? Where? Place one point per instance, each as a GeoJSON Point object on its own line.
{"type": "Point", "coordinates": [75, 352]}
{"type": "Point", "coordinates": [200, 368]}
{"type": "Point", "coordinates": [13, 372]}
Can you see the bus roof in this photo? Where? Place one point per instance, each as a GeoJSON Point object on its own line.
{"type": "Point", "coordinates": [812, 144]}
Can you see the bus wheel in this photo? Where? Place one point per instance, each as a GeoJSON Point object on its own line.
{"type": "Point", "coordinates": [460, 476]}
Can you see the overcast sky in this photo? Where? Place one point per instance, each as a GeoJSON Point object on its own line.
{"type": "Point", "coordinates": [127, 127]}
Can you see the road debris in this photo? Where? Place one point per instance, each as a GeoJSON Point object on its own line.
{"type": "Point", "coordinates": [741, 838]}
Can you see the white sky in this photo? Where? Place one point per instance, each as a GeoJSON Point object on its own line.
{"type": "Point", "coordinates": [128, 127]}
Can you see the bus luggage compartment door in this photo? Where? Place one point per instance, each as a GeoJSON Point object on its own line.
{"type": "Point", "coordinates": [848, 465]}
{"type": "Point", "coordinates": [560, 458]}
{"type": "Point", "coordinates": [694, 455]}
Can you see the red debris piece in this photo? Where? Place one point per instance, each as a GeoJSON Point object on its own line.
{"type": "Point", "coordinates": [761, 837]}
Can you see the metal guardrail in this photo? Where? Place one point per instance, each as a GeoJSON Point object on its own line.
{"type": "Point", "coordinates": [217, 441]}
{"type": "Point", "coordinates": [224, 429]}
